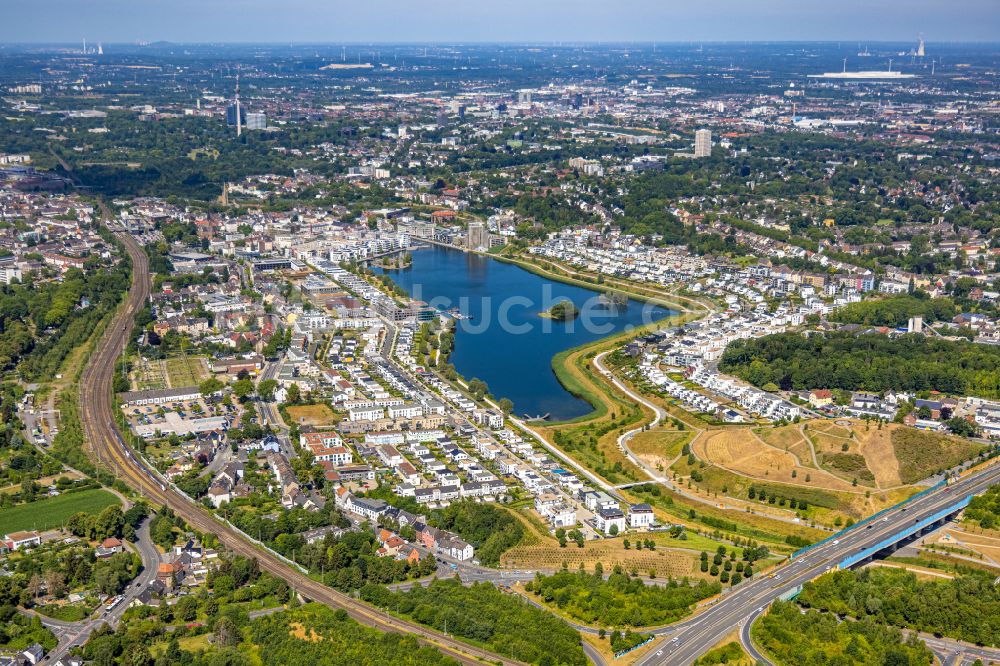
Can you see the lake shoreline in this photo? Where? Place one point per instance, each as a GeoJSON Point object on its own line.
{"type": "Point", "coordinates": [508, 339]}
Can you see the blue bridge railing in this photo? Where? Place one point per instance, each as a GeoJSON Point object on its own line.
{"type": "Point", "coordinates": [851, 560]}
{"type": "Point", "coordinates": [869, 519]}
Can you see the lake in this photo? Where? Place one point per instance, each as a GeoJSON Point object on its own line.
{"type": "Point", "coordinates": [505, 341]}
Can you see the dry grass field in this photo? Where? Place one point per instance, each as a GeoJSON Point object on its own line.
{"type": "Point", "coordinates": [832, 428]}
{"type": "Point", "coordinates": [784, 437]}
{"type": "Point", "coordinates": [674, 562]}
{"type": "Point", "coordinates": [741, 451]}
{"type": "Point", "coordinates": [317, 415]}
{"type": "Point", "coordinates": [298, 630]}
{"type": "Point", "coordinates": [824, 443]}
{"type": "Point", "coordinates": [876, 447]}
{"type": "Point", "coordinates": [921, 454]}
{"type": "Point", "coordinates": [660, 447]}
{"type": "Point", "coordinates": [985, 543]}
{"type": "Point", "coordinates": [884, 458]}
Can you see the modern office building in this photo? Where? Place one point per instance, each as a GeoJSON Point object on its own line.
{"type": "Point", "coordinates": [256, 121]}
{"type": "Point", "coordinates": [703, 143]}
{"type": "Point", "coordinates": [478, 237]}
{"type": "Point", "coordinates": [231, 115]}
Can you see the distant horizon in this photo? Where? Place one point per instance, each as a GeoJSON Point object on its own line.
{"type": "Point", "coordinates": [498, 42]}
{"type": "Point", "coordinates": [514, 21]}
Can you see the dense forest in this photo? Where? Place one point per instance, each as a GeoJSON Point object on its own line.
{"type": "Point", "coordinates": [895, 311]}
{"type": "Point", "coordinates": [620, 600]}
{"type": "Point", "coordinates": [966, 608]}
{"type": "Point", "coordinates": [41, 322]}
{"type": "Point", "coordinates": [985, 508]}
{"type": "Point", "coordinates": [793, 638]}
{"type": "Point", "coordinates": [867, 362]}
{"type": "Point", "coordinates": [506, 623]}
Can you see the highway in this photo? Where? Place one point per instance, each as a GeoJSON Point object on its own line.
{"type": "Point", "coordinates": [689, 639]}
{"type": "Point", "coordinates": [97, 414]}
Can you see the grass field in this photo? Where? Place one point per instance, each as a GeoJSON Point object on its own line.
{"type": "Point", "coordinates": [315, 415]}
{"type": "Point", "coordinates": [53, 511]}
{"type": "Point", "coordinates": [921, 454]}
{"type": "Point", "coordinates": [658, 447]}
{"type": "Point", "coordinates": [741, 451]}
{"type": "Point", "coordinates": [185, 371]}
{"type": "Point", "coordinates": [783, 438]}
{"type": "Point", "coordinates": [592, 439]}
{"type": "Point", "coordinates": [609, 552]}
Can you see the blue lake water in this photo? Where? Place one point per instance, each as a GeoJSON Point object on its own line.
{"type": "Point", "coordinates": [505, 342]}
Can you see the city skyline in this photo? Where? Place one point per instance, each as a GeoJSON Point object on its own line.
{"type": "Point", "coordinates": [310, 21]}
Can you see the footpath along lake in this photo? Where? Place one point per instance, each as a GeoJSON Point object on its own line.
{"type": "Point", "coordinates": [504, 340]}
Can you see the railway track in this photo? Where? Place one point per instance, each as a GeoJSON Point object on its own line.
{"type": "Point", "coordinates": [101, 431]}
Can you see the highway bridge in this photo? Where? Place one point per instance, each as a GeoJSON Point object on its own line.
{"type": "Point", "coordinates": [686, 641]}
{"type": "Point", "coordinates": [97, 415]}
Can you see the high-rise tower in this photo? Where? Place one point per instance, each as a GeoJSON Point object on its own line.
{"type": "Point", "coordinates": [703, 143]}
{"type": "Point", "coordinates": [239, 116]}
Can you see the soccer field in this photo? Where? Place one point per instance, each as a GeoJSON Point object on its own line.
{"type": "Point", "coordinates": [53, 511]}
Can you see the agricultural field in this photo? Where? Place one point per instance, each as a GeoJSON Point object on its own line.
{"type": "Point", "coordinates": [185, 371]}
{"type": "Point", "coordinates": [317, 415]}
{"type": "Point", "coordinates": [53, 511]}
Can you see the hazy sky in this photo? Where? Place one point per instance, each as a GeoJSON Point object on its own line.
{"type": "Point", "coordinates": [496, 20]}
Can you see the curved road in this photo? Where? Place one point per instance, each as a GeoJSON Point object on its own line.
{"type": "Point", "coordinates": [76, 633]}
{"type": "Point", "coordinates": [660, 416]}
{"type": "Point", "coordinates": [98, 418]}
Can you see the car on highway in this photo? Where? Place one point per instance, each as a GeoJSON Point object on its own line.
{"type": "Point", "coordinates": [836, 542]}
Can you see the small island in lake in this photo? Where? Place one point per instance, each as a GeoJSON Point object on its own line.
{"type": "Point", "coordinates": [562, 311]}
